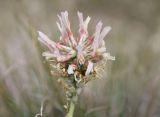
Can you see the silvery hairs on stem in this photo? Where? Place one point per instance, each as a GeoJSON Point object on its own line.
{"type": "Point", "coordinates": [76, 60]}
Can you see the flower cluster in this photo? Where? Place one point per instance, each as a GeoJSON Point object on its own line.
{"type": "Point", "coordinates": [78, 59]}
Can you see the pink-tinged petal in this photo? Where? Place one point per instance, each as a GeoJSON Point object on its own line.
{"type": "Point", "coordinates": [61, 24]}
{"type": "Point", "coordinates": [63, 58]}
{"type": "Point", "coordinates": [67, 35]}
{"type": "Point", "coordinates": [83, 25]}
{"type": "Point", "coordinates": [49, 55]}
{"type": "Point", "coordinates": [96, 38]}
{"type": "Point", "coordinates": [82, 30]}
{"type": "Point", "coordinates": [49, 43]}
{"type": "Point", "coordinates": [73, 39]}
{"type": "Point", "coordinates": [80, 16]}
{"type": "Point", "coordinates": [87, 22]}
{"type": "Point", "coordinates": [65, 20]}
{"type": "Point", "coordinates": [59, 27]}
{"type": "Point", "coordinates": [63, 31]}
{"type": "Point", "coordinates": [104, 32]}
{"type": "Point", "coordinates": [89, 68]}
{"type": "Point", "coordinates": [107, 56]}
{"type": "Point", "coordinates": [63, 47]}
{"type": "Point", "coordinates": [45, 40]}
{"type": "Point", "coordinates": [89, 41]}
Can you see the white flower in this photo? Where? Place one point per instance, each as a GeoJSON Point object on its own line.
{"type": "Point", "coordinates": [76, 55]}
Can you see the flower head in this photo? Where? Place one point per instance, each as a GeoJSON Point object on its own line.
{"type": "Point", "coordinates": [76, 57]}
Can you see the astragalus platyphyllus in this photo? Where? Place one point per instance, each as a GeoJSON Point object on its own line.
{"type": "Point", "coordinates": [76, 57]}
{"type": "Point", "coordinates": [76, 60]}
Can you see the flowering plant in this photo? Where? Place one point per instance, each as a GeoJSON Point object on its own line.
{"type": "Point", "coordinates": [76, 60]}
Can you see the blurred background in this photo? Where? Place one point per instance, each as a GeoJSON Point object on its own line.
{"type": "Point", "coordinates": [129, 88]}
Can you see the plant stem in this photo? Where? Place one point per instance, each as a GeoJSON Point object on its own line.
{"type": "Point", "coordinates": [71, 110]}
